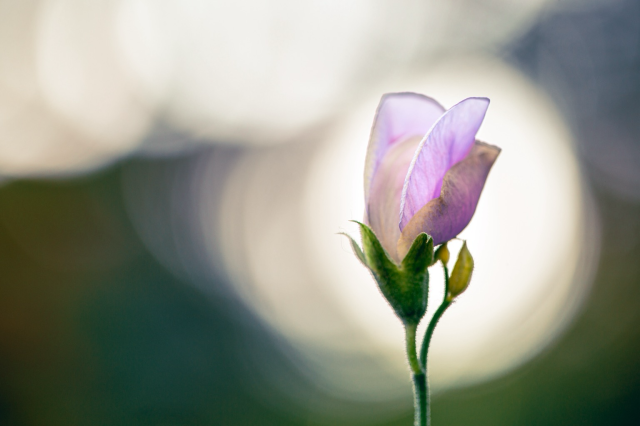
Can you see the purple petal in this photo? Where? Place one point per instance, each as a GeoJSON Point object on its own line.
{"type": "Point", "coordinates": [446, 216]}
{"type": "Point", "coordinates": [448, 142]}
{"type": "Point", "coordinates": [399, 116]}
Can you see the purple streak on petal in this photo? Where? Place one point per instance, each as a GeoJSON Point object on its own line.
{"type": "Point", "coordinates": [446, 216]}
{"type": "Point", "coordinates": [448, 142]}
{"type": "Point", "coordinates": [399, 116]}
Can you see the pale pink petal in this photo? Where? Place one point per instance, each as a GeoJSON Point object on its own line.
{"type": "Point", "coordinates": [448, 142]}
{"type": "Point", "coordinates": [446, 216]}
{"type": "Point", "coordinates": [386, 188]}
{"type": "Point", "coordinates": [400, 116]}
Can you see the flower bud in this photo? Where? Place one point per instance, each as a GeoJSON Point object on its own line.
{"type": "Point", "coordinates": [461, 274]}
{"type": "Point", "coordinates": [442, 254]}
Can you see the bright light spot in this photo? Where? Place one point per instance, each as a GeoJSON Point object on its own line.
{"type": "Point", "coordinates": [527, 236]}
{"type": "Point", "coordinates": [278, 241]}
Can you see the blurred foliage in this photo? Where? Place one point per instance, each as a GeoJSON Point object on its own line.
{"type": "Point", "coordinates": [94, 331]}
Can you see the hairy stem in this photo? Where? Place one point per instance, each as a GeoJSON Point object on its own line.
{"type": "Point", "coordinates": [420, 398]}
{"type": "Point", "coordinates": [419, 379]}
{"type": "Point", "coordinates": [446, 302]}
{"type": "Point", "coordinates": [412, 357]}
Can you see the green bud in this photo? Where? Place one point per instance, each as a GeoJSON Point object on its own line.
{"type": "Point", "coordinates": [442, 254]}
{"type": "Point", "coordinates": [461, 274]}
{"type": "Point", "coordinates": [405, 286]}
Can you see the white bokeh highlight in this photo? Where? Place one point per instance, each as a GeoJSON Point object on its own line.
{"type": "Point", "coordinates": [85, 83]}
{"type": "Point", "coordinates": [532, 269]}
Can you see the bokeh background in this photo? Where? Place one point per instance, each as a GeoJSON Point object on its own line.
{"type": "Point", "coordinates": [173, 175]}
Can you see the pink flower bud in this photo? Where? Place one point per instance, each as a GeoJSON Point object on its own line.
{"type": "Point", "coordinates": [424, 170]}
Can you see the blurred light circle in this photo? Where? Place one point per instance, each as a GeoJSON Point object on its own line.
{"type": "Point", "coordinates": [262, 71]}
{"type": "Point", "coordinates": [84, 77]}
{"type": "Point", "coordinates": [147, 51]}
{"type": "Point", "coordinates": [532, 237]}
{"type": "Point", "coordinates": [91, 76]}
{"type": "Point", "coordinates": [35, 139]}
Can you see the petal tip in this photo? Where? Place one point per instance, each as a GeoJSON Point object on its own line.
{"type": "Point", "coordinates": [488, 148]}
{"type": "Point", "coordinates": [480, 101]}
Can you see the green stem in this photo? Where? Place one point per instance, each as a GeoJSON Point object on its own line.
{"type": "Point", "coordinates": [420, 398]}
{"type": "Point", "coordinates": [419, 379]}
{"type": "Point", "coordinates": [429, 333]}
{"type": "Point", "coordinates": [410, 333]}
{"type": "Point", "coordinates": [446, 302]}
{"type": "Point", "coordinates": [424, 350]}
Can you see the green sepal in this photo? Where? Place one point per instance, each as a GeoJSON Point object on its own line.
{"type": "Point", "coordinates": [405, 286]}
{"type": "Point", "coordinates": [420, 255]}
{"type": "Point", "coordinates": [356, 249]}
{"type": "Point", "coordinates": [415, 273]}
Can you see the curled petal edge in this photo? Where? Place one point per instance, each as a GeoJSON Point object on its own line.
{"type": "Point", "coordinates": [446, 216]}
{"type": "Point", "coordinates": [448, 142]}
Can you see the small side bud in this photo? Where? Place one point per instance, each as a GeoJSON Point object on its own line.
{"type": "Point", "coordinates": [442, 254]}
{"type": "Point", "coordinates": [461, 274]}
